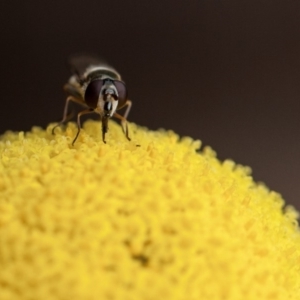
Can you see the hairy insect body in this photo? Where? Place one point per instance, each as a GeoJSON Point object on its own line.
{"type": "Point", "coordinates": [100, 89]}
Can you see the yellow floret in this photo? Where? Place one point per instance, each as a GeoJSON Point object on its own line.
{"type": "Point", "coordinates": [150, 219]}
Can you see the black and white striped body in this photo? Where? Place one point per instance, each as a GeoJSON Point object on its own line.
{"type": "Point", "coordinates": [99, 88]}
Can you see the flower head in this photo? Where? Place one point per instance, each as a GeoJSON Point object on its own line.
{"type": "Point", "coordinates": [154, 218]}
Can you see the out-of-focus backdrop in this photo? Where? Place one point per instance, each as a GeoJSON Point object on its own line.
{"type": "Point", "coordinates": [225, 72]}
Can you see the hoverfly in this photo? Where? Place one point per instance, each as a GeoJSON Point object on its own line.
{"type": "Point", "coordinates": [100, 89]}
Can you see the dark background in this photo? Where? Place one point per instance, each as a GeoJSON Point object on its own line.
{"type": "Point", "coordinates": [225, 72]}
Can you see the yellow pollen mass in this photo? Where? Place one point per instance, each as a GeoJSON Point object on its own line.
{"type": "Point", "coordinates": [154, 218]}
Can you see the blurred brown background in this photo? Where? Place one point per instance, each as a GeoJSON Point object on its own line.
{"type": "Point", "coordinates": [225, 72]}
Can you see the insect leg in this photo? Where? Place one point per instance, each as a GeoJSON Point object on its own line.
{"type": "Point", "coordinates": [84, 112]}
{"type": "Point", "coordinates": [128, 103]}
{"type": "Point", "coordinates": [65, 115]}
{"type": "Point", "coordinates": [124, 125]}
{"type": "Point", "coordinates": [123, 119]}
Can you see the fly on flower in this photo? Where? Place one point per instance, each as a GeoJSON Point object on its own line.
{"type": "Point", "coordinates": [100, 89]}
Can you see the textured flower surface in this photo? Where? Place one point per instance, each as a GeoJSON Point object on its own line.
{"type": "Point", "coordinates": [150, 219]}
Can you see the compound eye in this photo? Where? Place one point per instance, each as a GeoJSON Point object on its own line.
{"type": "Point", "coordinates": [92, 93]}
{"type": "Point", "coordinates": [122, 91]}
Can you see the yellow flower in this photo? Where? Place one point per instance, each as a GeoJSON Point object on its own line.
{"type": "Point", "coordinates": [150, 219]}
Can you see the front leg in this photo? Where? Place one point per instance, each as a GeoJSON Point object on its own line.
{"type": "Point", "coordinates": [124, 125]}
{"type": "Point", "coordinates": [128, 103]}
{"type": "Point", "coordinates": [65, 115]}
{"type": "Point", "coordinates": [123, 119]}
{"type": "Point", "coordinates": [84, 112]}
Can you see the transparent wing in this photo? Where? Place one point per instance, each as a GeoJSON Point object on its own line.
{"type": "Point", "coordinates": [80, 62]}
{"type": "Point", "coordinates": [91, 67]}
